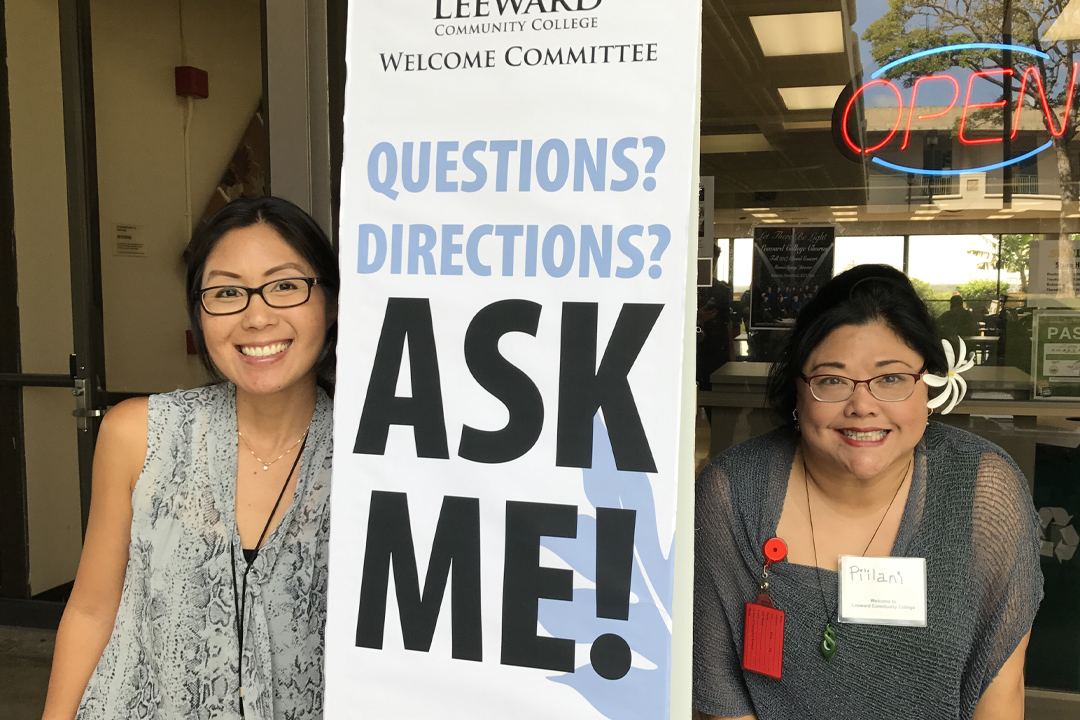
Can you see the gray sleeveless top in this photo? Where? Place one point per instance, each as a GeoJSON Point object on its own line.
{"type": "Point", "coordinates": [969, 513]}
{"type": "Point", "coordinates": [173, 649]}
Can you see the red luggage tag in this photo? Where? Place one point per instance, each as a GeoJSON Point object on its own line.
{"type": "Point", "coordinates": [763, 628]}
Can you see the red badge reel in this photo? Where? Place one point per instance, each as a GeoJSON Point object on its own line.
{"type": "Point", "coordinates": [763, 630]}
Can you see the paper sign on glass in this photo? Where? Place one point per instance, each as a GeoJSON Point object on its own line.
{"type": "Point", "coordinates": [882, 590]}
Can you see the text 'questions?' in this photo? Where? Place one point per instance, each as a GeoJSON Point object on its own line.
{"type": "Point", "coordinates": [514, 249]}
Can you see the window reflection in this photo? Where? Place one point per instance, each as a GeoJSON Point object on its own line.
{"type": "Point", "coordinates": [949, 152]}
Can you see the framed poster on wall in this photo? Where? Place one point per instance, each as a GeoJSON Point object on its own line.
{"type": "Point", "coordinates": [790, 264]}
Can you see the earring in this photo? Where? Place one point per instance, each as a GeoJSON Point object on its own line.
{"type": "Point", "coordinates": [795, 415]}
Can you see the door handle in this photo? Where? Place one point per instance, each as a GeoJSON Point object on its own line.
{"type": "Point", "coordinates": [83, 412]}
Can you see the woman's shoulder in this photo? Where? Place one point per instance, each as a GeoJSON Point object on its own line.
{"type": "Point", "coordinates": [968, 463]}
{"type": "Point", "coordinates": [743, 472]}
{"type": "Point", "coordinates": [126, 416]}
{"type": "Point", "coordinates": [951, 446]}
{"type": "Point", "coordinates": [941, 436]}
{"type": "Point", "coordinates": [193, 398]}
{"type": "Point", "coordinates": [322, 428]}
{"type": "Point", "coordinates": [324, 409]}
{"type": "Point", "coordinates": [121, 437]}
{"type": "Point", "coordinates": [172, 417]}
{"type": "Point", "coordinates": [170, 407]}
{"type": "Point", "coordinates": [757, 451]}
{"type": "Point", "coordinates": [132, 426]}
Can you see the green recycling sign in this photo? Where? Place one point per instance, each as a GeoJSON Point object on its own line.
{"type": "Point", "coordinates": [1055, 362]}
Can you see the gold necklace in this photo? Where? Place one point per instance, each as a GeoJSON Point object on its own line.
{"type": "Point", "coordinates": [828, 642]}
{"type": "Point", "coordinates": [266, 464]}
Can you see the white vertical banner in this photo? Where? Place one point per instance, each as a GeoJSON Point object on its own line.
{"type": "Point", "coordinates": [516, 224]}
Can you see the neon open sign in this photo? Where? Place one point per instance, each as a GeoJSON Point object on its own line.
{"type": "Point", "coordinates": [899, 135]}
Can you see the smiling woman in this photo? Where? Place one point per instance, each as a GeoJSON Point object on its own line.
{"type": "Point", "coordinates": [858, 477]}
{"type": "Point", "coordinates": [294, 258]}
{"type": "Point", "coordinates": [202, 584]}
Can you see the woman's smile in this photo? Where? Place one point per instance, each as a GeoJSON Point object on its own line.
{"type": "Point", "coordinates": [263, 348]}
{"type": "Point", "coordinates": [264, 351]}
{"type": "Point", "coordinates": [861, 437]}
{"type": "Point", "coordinates": [864, 437]}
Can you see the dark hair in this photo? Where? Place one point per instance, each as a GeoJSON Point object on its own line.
{"type": "Point", "coordinates": [859, 296]}
{"type": "Point", "coordinates": [301, 233]}
{"type": "Point", "coordinates": [956, 302]}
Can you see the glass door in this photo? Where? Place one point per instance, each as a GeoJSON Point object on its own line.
{"type": "Point", "coordinates": [52, 380]}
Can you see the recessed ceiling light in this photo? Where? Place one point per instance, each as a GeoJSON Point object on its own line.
{"type": "Point", "coordinates": [750, 210]}
{"type": "Point", "coordinates": [742, 143]}
{"type": "Point", "coordinates": [808, 125]}
{"type": "Point", "coordinates": [813, 97]}
{"type": "Point", "coordinates": [777, 220]}
{"type": "Point", "coordinates": [843, 207]}
{"type": "Point", "coordinates": [999, 217]}
{"type": "Point", "coordinates": [764, 215]}
{"type": "Point", "coordinates": [800, 33]}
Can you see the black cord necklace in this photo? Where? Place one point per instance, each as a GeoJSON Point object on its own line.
{"type": "Point", "coordinates": [828, 642]}
{"type": "Point", "coordinates": [240, 596]}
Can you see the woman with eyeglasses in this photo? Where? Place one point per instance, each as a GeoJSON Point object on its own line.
{"type": "Point", "coordinates": [201, 590]}
{"type": "Point", "coordinates": [902, 553]}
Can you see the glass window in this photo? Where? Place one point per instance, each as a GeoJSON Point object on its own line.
{"type": "Point", "coordinates": [852, 251]}
{"type": "Point", "coordinates": [959, 166]}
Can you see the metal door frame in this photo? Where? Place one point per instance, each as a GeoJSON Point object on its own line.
{"type": "Point", "coordinates": [87, 315]}
{"type": "Point", "coordinates": [14, 555]}
{"type": "Point", "coordinates": [87, 378]}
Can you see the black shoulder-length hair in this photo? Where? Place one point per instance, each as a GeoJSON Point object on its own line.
{"type": "Point", "coordinates": [859, 296]}
{"type": "Point", "coordinates": [295, 227]}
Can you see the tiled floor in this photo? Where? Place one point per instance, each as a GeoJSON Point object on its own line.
{"type": "Point", "coordinates": [25, 658]}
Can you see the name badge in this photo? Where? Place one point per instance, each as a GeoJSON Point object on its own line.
{"type": "Point", "coordinates": [882, 590]}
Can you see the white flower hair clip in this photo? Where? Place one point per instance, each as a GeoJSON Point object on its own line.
{"type": "Point", "coordinates": [955, 386]}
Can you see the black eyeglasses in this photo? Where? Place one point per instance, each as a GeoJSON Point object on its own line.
{"type": "Point", "coordinates": [891, 387]}
{"type": "Point", "coordinates": [280, 293]}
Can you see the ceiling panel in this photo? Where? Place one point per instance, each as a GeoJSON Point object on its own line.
{"type": "Point", "coordinates": [739, 96]}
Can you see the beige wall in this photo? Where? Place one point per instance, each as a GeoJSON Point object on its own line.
{"type": "Point", "coordinates": [141, 165]}
{"type": "Point", "coordinates": [41, 236]}
{"type": "Point", "coordinates": [37, 164]}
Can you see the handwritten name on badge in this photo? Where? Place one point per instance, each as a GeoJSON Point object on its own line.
{"type": "Point", "coordinates": [883, 591]}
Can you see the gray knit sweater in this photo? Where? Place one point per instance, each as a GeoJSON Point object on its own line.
{"type": "Point", "coordinates": [969, 513]}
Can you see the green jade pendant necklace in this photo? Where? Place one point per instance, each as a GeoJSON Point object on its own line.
{"type": "Point", "coordinates": [828, 641]}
